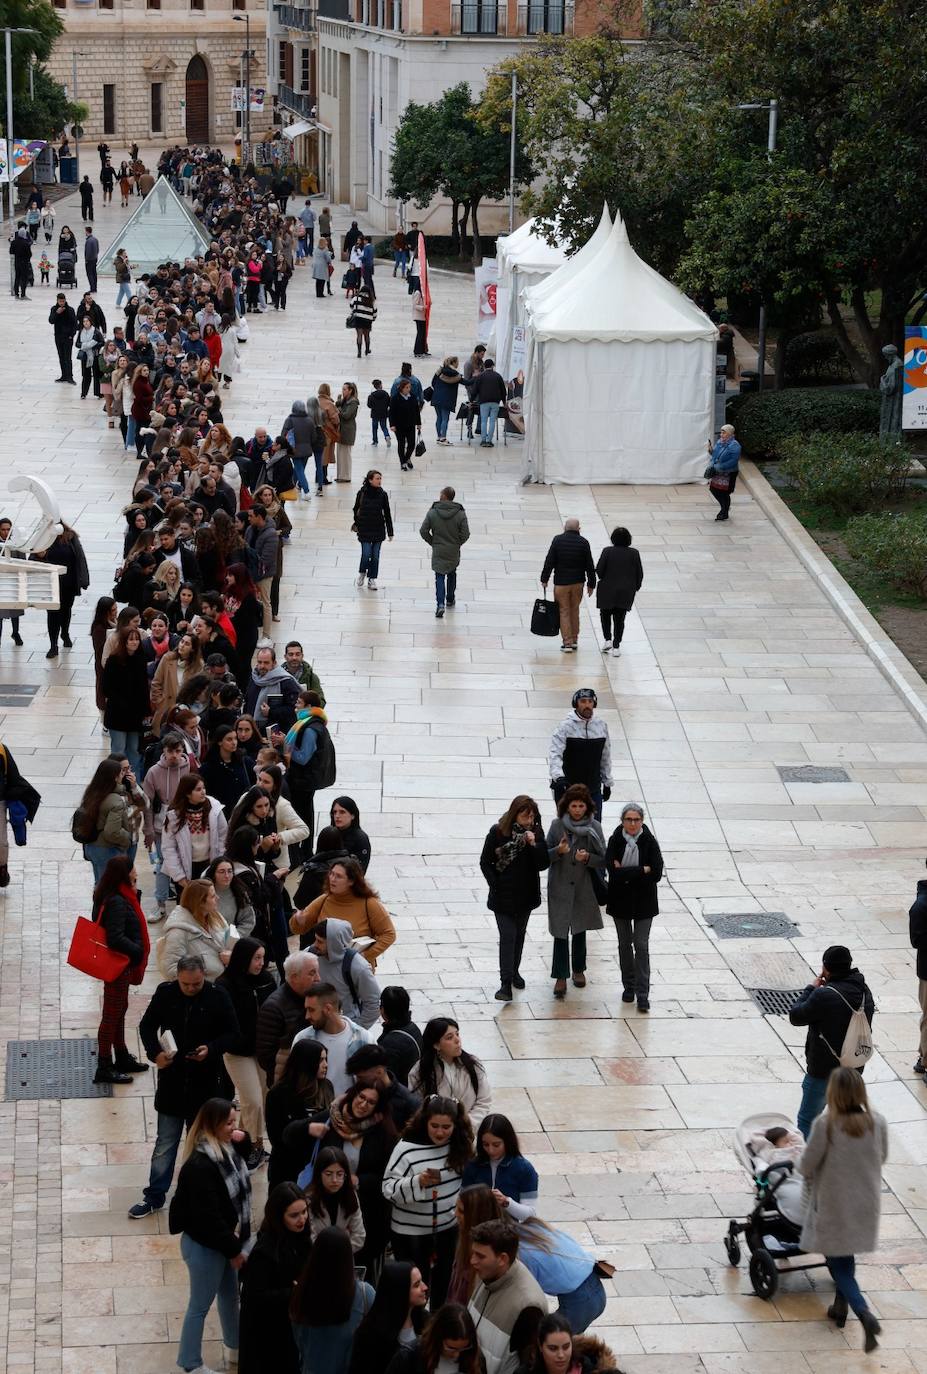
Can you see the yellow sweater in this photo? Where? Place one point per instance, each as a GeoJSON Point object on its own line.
{"type": "Point", "coordinates": [367, 916]}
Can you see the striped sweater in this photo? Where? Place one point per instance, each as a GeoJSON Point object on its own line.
{"type": "Point", "coordinates": [415, 1211]}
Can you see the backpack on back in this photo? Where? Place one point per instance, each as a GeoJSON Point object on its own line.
{"type": "Point", "coordinates": [83, 830]}
{"type": "Point", "coordinates": [321, 770]}
{"type": "Point", "coordinates": [857, 1047]}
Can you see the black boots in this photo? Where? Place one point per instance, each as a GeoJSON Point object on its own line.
{"type": "Point", "coordinates": [872, 1329]}
{"type": "Point", "coordinates": [838, 1310]}
{"type": "Point", "coordinates": [107, 1073]}
{"type": "Point", "coordinates": [127, 1063]}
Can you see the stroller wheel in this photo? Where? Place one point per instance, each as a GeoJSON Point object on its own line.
{"type": "Point", "coordinates": [732, 1245]}
{"type": "Point", "coordinates": [763, 1274]}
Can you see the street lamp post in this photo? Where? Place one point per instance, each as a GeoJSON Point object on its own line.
{"type": "Point", "coordinates": [8, 53]}
{"type": "Point", "coordinates": [772, 128]}
{"type": "Point", "coordinates": [246, 123]}
{"type": "Point", "coordinates": [512, 154]}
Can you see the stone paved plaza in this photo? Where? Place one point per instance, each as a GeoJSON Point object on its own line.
{"type": "Point", "coordinates": [735, 664]}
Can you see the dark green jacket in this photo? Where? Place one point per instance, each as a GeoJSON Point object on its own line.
{"type": "Point", "coordinates": [445, 528]}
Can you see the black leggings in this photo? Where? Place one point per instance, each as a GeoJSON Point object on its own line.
{"type": "Point", "coordinates": [607, 618]}
{"type": "Point", "coordinates": [723, 498]}
{"type": "Point", "coordinates": [251, 293]}
{"type": "Point", "coordinates": [320, 286]}
{"type": "Point", "coordinates": [405, 444]}
{"type": "Point", "coordinates": [420, 339]}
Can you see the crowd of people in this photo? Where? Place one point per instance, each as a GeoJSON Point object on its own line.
{"type": "Point", "coordinates": [401, 1231]}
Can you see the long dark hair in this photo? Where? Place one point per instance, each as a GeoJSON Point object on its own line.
{"type": "Point", "coordinates": [243, 807]}
{"type": "Point", "coordinates": [240, 846]}
{"type": "Point", "coordinates": [317, 1193]}
{"type": "Point", "coordinates": [181, 798]}
{"type": "Point", "coordinates": [428, 1064]}
{"type": "Point", "coordinates": [102, 612]}
{"type": "Point", "coordinates": [236, 886]}
{"type": "Point", "coordinates": [243, 951]}
{"type": "Point", "coordinates": [499, 1125]}
{"type": "Point", "coordinates": [359, 884]}
{"type": "Point", "coordinates": [114, 876]}
{"type": "Point", "coordinates": [452, 1322]}
{"type": "Point", "coordinates": [324, 1294]}
{"type": "Point", "coordinates": [104, 782]}
{"type": "Point", "coordinates": [548, 1326]}
{"type": "Point", "coordinates": [301, 1074]}
{"type": "Point", "coordinates": [395, 1005]}
{"type": "Point", "coordinates": [519, 803]}
{"type": "Point", "coordinates": [460, 1145]}
{"type": "Point", "coordinates": [279, 1200]}
{"type": "Point", "coordinates": [378, 1333]}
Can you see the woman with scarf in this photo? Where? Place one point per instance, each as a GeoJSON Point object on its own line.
{"type": "Point", "coordinates": [211, 1210]}
{"type": "Point", "coordinates": [194, 831]}
{"type": "Point", "coordinates": [267, 1282]}
{"type": "Point", "coordinates": [88, 343]}
{"type": "Point", "coordinates": [575, 846]}
{"type": "Point", "coordinates": [248, 984]}
{"type": "Point", "coordinates": [159, 641]}
{"type": "Point", "coordinates": [634, 867]}
{"type": "Point", "coordinates": [513, 858]}
{"type": "Point", "coordinates": [117, 909]}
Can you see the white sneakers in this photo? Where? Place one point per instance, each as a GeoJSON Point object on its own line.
{"type": "Point", "coordinates": [359, 580]}
{"type": "Point", "coordinates": [616, 652]}
{"type": "Point", "coordinates": [372, 583]}
{"type": "Point", "coordinates": [606, 646]}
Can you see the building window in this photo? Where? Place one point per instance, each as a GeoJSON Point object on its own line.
{"type": "Point", "coordinates": [545, 16]}
{"type": "Point", "coordinates": [109, 109]}
{"type": "Point", "coordinates": [238, 4]}
{"type": "Point", "coordinates": [157, 117]}
{"type": "Point", "coordinates": [479, 16]}
{"type": "Point", "coordinates": [281, 60]}
{"type": "Point", "coordinates": [197, 4]}
{"type": "Point", "coordinates": [154, 4]}
{"type": "Point", "coordinates": [105, 4]}
{"type": "Point", "coordinates": [304, 70]}
{"type": "Point", "coordinates": [61, 4]}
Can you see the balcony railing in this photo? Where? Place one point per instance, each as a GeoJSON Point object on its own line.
{"type": "Point", "coordinates": [300, 102]}
{"type": "Point", "coordinates": [544, 16]}
{"type": "Point", "coordinates": [296, 17]}
{"type": "Point", "coordinates": [478, 18]}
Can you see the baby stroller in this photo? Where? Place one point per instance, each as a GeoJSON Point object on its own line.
{"type": "Point", "coordinates": [67, 269]}
{"type": "Point", "coordinates": [773, 1229]}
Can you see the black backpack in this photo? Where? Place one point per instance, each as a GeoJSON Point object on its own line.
{"type": "Point", "coordinates": [83, 830]}
{"type": "Point", "coordinates": [321, 770]}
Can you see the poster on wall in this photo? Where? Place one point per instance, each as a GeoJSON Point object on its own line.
{"type": "Point", "coordinates": [518, 351]}
{"type": "Point", "coordinates": [914, 397]}
{"type": "Point", "coordinates": [485, 277]}
{"type": "Point", "coordinates": [257, 99]}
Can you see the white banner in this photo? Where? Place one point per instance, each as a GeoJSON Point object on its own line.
{"type": "Point", "coordinates": [257, 99]}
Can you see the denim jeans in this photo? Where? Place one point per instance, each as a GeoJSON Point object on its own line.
{"type": "Point", "coordinates": [584, 1304]}
{"type": "Point", "coordinates": [377, 426]}
{"type": "Point", "coordinates": [130, 432]}
{"type": "Point", "coordinates": [488, 413]}
{"type": "Point", "coordinates": [99, 855]}
{"type": "Point", "coordinates": [319, 465]}
{"type": "Point", "coordinates": [843, 1272]}
{"type": "Point", "coordinates": [813, 1094]}
{"type": "Point", "coordinates": [442, 417]}
{"type": "Point", "coordinates": [123, 293]}
{"type": "Point", "coordinates": [299, 472]}
{"type": "Point", "coordinates": [370, 557]}
{"type": "Point", "coordinates": [400, 260]}
{"type": "Point", "coordinates": [211, 1278]}
{"type": "Point", "coordinates": [128, 742]}
{"type": "Point", "coordinates": [446, 582]}
{"type": "Point", "coordinates": [163, 1158]}
{"type": "Point", "coordinates": [162, 881]}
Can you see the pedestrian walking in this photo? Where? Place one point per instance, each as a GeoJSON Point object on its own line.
{"type": "Point", "coordinates": [620, 574]}
{"type": "Point", "coordinates": [86, 199]}
{"type": "Point", "coordinates": [378, 405]}
{"type": "Point", "coordinates": [633, 867]}
{"type": "Point", "coordinates": [322, 260]}
{"type": "Point", "coordinates": [513, 858]}
{"type": "Point", "coordinates": [63, 321]}
{"type": "Point", "coordinates": [21, 253]}
{"type": "Point", "coordinates": [446, 529]}
{"type": "Point", "coordinates": [569, 558]}
{"type": "Point", "coordinates": [576, 846]}
{"type": "Point", "coordinates": [580, 751]}
{"type": "Point", "coordinates": [917, 930]}
{"type": "Point", "coordinates": [725, 460]}
{"type": "Point", "coordinates": [300, 433]}
{"type": "Point", "coordinates": [826, 1007]}
{"type": "Point", "coordinates": [444, 386]}
{"type": "Point", "coordinates": [68, 553]}
{"type": "Point", "coordinates": [363, 314]}
{"type": "Point", "coordinates": [400, 254]}
{"type": "Point", "coordinates": [405, 420]}
{"type": "Point", "coordinates": [373, 522]}
{"type": "Point", "coordinates": [347, 406]}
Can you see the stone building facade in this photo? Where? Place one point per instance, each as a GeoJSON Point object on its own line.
{"type": "Point", "coordinates": [157, 71]}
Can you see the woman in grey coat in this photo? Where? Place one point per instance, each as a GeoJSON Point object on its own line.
{"type": "Point", "coordinates": [576, 845]}
{"type": "Point", "coordinates": [620, 576]}
{"type": "Point", "coordinates": [842, 1169]}
{"type": "Point", "coordinates": [299, 431]}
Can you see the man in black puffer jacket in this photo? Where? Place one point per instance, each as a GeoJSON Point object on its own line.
{"type": "Point", "coordinates": [826, 1007]}
{"type": "Point", "coordinates": [917, 928]}
{"type": "Point", "coordinates": [569, 558]}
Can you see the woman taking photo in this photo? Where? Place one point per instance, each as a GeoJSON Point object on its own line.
{"type": "Point", "coordinates": [225, 770]}
{"type": "Point", "coordinates": [248, 984]}
{"type": "Point", "coordinates": [558, 1351]}
{"type": "Point", "coordinates": [372, 524]}
{"type": "Point", "coordinates": [842, 1168]}
{"type": "Point", "coordinates": [448, 1345]}
{"type": "Point", "coordinates": [514, 855]}
{"type": "Point", "coordinates": [196, 926]}
{"type": "Point", "coordinates": [422, 1182]}
{"type": "Point", "coordinates": [634, 867]}
{"type": "Point", "coordinates": [301, 1094]}
{"type": "Point", "coordinates": [194, 831]}
{"type": "Point", "coordinates": [345, 817]}
{"type": "Point", "coordinates": [447, 1069]}
{"type": "Point", "coordinates": [394, 1321]}
{"type": "Point", "coordinates": [267, 1283]}
{"type": "Point", "coordinates": [116, 907]}
{"type": "Point", "coordinates": [232, 897]}
{"type": "Point", "coordinates": [211, 1210]}
{"type": "Point", "coordinates": [328, 1305]}
{"type": "Point", "coordinates": [349, 897]}
{"type": "Point", "coordinates": [125, 689]}
{"type": "Point", "coordinates": [111, 814]}
{"type": "Point", "coordinates": [575, 845]}
{"type": "Point", "coordinates": [620, 576]}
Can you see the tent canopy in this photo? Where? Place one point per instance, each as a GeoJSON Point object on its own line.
{"type": "Point", "coordinates": [526, 250]}
{"type": "Point", "coordinates": [557, 281]}
{"type": "Point", "coordinates": [616, 296]}
{"type": "Point", "coordinates": [162, 229]}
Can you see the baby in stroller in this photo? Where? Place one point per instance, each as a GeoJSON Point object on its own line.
{"type": "Point", "coordinates": [762, 1143]}
{"type": "Point", "coordinates": [776, 1145]}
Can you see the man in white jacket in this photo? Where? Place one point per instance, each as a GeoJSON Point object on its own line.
{"type": "Point", "coordinates": [580, 751]}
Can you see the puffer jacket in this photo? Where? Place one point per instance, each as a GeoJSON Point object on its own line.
{"type": "Point", "coordinates": [373, 519]}
{"type": "Point", "coordinates": [182, 935]}
{"type": "Point", "coordinates": [445, 528]}
{"type": "Point", "coordinates": [303, 431]}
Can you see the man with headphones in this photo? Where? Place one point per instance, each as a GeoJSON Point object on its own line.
{"type": "Point", "coordinates": [580, 751]}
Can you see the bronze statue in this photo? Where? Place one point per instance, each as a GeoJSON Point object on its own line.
{"type": "Point", "coordinates": [891, 386]}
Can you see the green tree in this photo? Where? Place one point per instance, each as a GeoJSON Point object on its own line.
{"type": "Point", "coordinates": [46, 26]}
{"type": "Point", "coordinates": [47, 112]}
{"type": "Point", "coordinates": [444, 149]}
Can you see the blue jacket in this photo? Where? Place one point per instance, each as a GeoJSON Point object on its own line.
{"type": "Point", "coordinates": [561, 1271]}
{"type": "Point", "coordinates": [416, 387]}
{"type": "Point", "coordinates": [726, 455]}
{"type": "Point", "coordinates": [515, 1176]}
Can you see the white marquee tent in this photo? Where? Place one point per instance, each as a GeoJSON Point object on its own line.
{"type": "Point", "coordinates": [523, 259]}
{"type": "Point", "coordinates": [620, 372]}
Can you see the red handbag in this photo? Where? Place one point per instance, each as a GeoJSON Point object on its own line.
{"type": "Point", "coordinates": [90, 954]}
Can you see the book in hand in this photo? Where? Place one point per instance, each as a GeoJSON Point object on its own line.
{"type": "Point", "coordinates": [167, 1042]}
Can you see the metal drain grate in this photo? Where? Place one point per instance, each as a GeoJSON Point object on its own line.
{"type": "Point", "coordinates": [752, 925]}
{"type": "Point", "coordinates": [52, 1069]}
{"type": "Point", "coordinates": [775, 1001]}
{"type": "Point", "coordinates": [810, 772]}
{"type": "Point", "coordinates": [17, 693]}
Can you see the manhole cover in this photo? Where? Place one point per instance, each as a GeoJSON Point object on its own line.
{"type": "Point", "coordinates": [752, 925]}
{"type": "Point", "coordinates": [52, 1069]}
{"type": "Point", "coordinates": [810, 772]}
{"type": "Point", "coordinates": [775, 1002]}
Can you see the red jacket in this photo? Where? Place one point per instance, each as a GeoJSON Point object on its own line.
{"type": "Point", "coordinates": [214, 349]}
{"type": "Point", "coordinates": [142, 397]}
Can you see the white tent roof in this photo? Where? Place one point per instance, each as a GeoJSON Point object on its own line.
{"type": "Point", "coordinates": [526, 250]}
{"type": "Point", "coordinates": [616, 296]}
{"type": "Point", "coordinates": [544, 290]}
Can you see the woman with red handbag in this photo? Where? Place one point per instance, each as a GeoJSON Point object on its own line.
{"type": "Point", "coordinates": [117, 909]}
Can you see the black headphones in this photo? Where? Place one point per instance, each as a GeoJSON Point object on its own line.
{"type": "Point", "coordinates": [584, 693]}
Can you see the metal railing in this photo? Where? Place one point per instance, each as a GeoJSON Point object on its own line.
{"type": "Point", "coordinates": [544, 16]}
{"type": "Point", "coordinates": [296, 17]}
{"type": "Point", "coordinates": [478, 18]}
{"type": "Point", "coordinates": [301, 102]}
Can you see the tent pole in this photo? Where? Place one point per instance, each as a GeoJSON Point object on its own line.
{"type": "Point", "coordinates": [512, 154]}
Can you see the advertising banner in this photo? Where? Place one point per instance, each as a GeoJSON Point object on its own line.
{"type": "Point", "coordinates": [485, 277]}
{"type": "Point", "coordinates": [23, 153]}
{"type": "Point", "coordinates": [914, 397]}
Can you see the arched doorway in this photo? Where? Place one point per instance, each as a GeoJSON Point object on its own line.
{"type": "Point", "coordinates": [197, 93]}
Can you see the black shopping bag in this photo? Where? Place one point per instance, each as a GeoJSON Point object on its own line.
{"type": "Point", "coordinates": [545, 618]}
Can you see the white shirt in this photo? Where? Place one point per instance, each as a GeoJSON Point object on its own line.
{"type": "Point", "coordinates": [337, 1046]}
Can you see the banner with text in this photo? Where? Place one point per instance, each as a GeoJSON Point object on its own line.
{"type": "Point", "coordinates": [914, 397]}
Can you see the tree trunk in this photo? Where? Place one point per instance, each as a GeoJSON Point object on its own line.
{"type": "Point", "coordinates": [786, 335]}
{"type": "Point", "coordinates": [462, 237]}
{"type": "Point", "coordinates": [477, 247]}
{"type": "Point", "coordinates": [859, 365]}
{"type": "Point", "coordinates": [455, 227]}
{"type": "Point", "coordinates": [871, 341]}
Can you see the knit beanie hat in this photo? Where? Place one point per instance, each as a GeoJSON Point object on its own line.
{"type": "Point", "coordinates": [837, 960]}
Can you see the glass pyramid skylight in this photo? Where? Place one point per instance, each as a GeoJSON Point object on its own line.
{"type": "Point", "coordinates": [162, 229]}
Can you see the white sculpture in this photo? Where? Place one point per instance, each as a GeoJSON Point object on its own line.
{"type": "Point", "coordinates": [23, 583]}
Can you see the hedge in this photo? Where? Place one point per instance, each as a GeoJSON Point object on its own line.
{"type": "Point", "coordinates": [845, 473]}
{"type": "Point", "coordinates": [763, 420]}
{"type": "Point", "coordinates": [815, 359]}
{"type": "Point", "coordinates": [440, 246]}
{"type": "Point", "coordinates": [893, 545]}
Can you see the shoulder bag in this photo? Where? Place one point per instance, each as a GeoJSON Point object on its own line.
{"type": "Point", "coordinates": [90, 953]}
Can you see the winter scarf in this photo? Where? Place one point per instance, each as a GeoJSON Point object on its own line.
{"type": "Point", "coordinates": [303, 716]}
{"type": "Point", "coordinates": [631, 858]}
{"type": "Point", "coordinates": [237, 1180]}
{"type": "Point", "coordinates": [344, 1124]}
{"type": "Point", "coordinates": [507, 853]}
